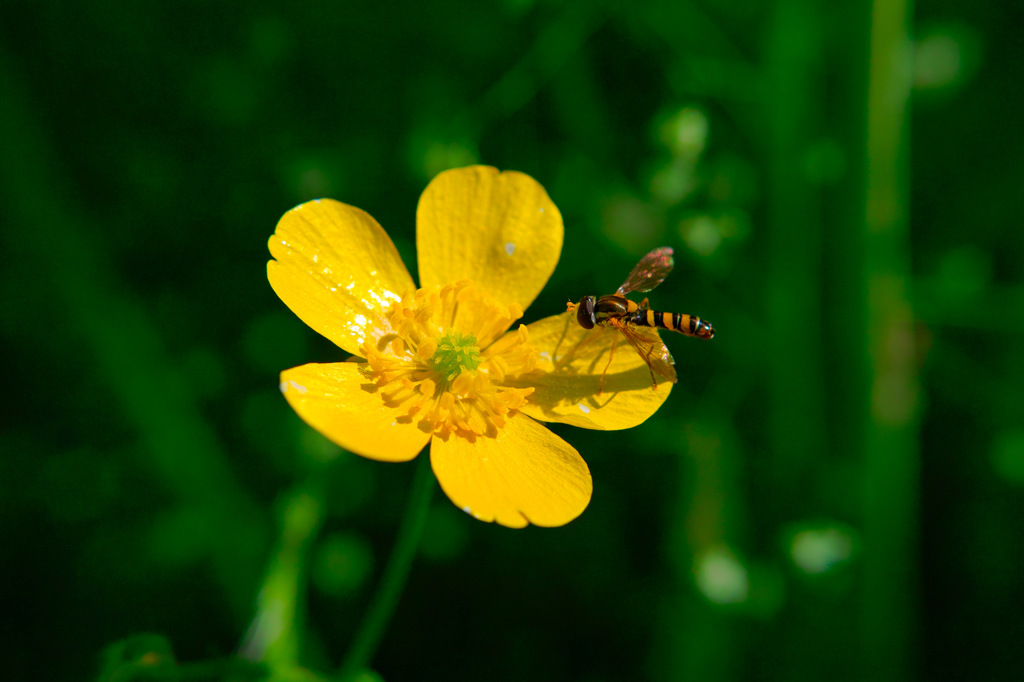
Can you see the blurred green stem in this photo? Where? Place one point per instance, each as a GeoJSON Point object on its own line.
{"type": "Point", "coordinates": [797, 351]}
{"type": "Point", "coordinates": [393, 581]}
{"type": "Point", "coordinates": [793, 252]}
{"type": "Point", "coordinates": [275, 633]}
{"type": "Point", "coordinates": [890, 454]}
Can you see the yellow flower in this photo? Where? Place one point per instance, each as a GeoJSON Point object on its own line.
{"type": "Point", "coordinates": [439, 364]}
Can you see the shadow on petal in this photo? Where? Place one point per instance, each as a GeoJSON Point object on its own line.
{"type": "Point", "coordinates": [583, 382]}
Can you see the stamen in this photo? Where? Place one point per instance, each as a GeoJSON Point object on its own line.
{"type": "Point", "coordinates": [437, 367]}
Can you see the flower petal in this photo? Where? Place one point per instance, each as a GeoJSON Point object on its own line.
{"type": "Point", "coordinates": [574, 360]}
{"type": "Point", "coordinates": [525, 475]}
{"type": "Point", "coordinates": [337, 270]}
{"type": "Point", "coordinates": [336, 400]}
{"type": "Point", "coordinates": [499, 230]}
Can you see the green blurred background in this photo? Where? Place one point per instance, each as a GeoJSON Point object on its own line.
{"type": "Point", "coordinates": [833, 491]}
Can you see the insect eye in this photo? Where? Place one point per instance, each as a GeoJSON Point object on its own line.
{"type": "Point", "coordinates": [585, 312]}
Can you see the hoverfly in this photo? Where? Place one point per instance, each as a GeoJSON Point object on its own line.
{"type": "Point", "coordinates": [637, 322]}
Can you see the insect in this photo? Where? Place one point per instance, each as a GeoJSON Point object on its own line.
{"type": "Point", "coordinates": [637, 322]}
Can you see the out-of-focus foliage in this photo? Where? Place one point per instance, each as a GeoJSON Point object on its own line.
{"type": "Point", "coordinates": [799, 510]}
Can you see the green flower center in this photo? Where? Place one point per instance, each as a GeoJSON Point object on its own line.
{"type": "Point", "coordinates": [455, 354]}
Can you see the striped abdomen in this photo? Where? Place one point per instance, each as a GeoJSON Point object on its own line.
{"type": "Point", "coordinates": [691, 325]}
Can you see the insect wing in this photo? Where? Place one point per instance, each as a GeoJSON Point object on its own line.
{"type": "Point", "coordinates": [650, 347]}
{"type": "Point", "coordinates": [649, 272]}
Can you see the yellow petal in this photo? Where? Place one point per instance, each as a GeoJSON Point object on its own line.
{"type": "Point", "coordinates": [573, 360]}
{"type": "Point", "coordinates": [336, 400]}
{"type": "Point", "coordinates": [525, 475]}
{"type": "Point", "coordinates": [337, 270]}
{"type": "Point", "coordinates": [499, 230]}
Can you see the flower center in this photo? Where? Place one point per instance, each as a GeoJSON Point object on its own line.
{"type": "Point", "coordinates": [443, 367]}
{"type": "Point", "coordinates": [455, 354]}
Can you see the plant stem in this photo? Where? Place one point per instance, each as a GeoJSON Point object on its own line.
{"type": "Point", "coordinates": [276, 631]}
{"type": "Point", "coordinates": [382, 606]}
{"type": "Point", "coordinates": [890, 495]}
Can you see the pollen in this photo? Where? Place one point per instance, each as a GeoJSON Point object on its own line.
{"type": "Point", "coordinates": [446, 365]}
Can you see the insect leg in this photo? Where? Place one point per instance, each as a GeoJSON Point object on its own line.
{"type": "Point", "coordinates": [644, 350]}
{"type": "Point", "coordinates": [650, 367]}
{"type": "Point", "coordinates": [611, 354]}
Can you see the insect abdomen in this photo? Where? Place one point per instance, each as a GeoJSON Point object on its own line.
{"type": "Point", "coordinates": [690, 325]}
